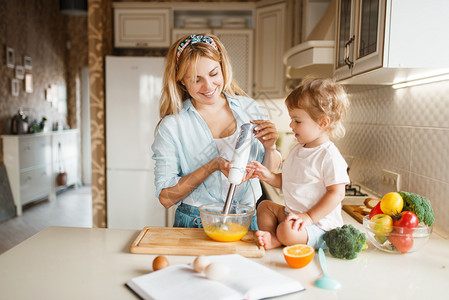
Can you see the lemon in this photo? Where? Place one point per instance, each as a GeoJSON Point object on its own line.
{"type": "Point", "coordinates": [391, 204]}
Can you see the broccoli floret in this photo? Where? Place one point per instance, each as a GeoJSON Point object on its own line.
{"type": "Point", "coordinates": [420, 206]}
{"type": "Point", "coordinates": [345, 241]}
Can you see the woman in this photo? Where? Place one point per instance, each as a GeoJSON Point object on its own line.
{"type": "Point", "coordinates": [201, 110]}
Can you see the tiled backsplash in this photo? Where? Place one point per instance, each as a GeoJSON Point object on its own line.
{"type": "Point", "coordinates": [405, 131]}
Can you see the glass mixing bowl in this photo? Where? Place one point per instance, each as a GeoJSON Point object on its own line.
{"type": "Point", "coordinates": [226, 228]}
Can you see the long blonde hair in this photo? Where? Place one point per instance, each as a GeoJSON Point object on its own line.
{"type": "Point", "coordinates": [321, 97]}
{"type": "Point", "coordinates": [173, 92]}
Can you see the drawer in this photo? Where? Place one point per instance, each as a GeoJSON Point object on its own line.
{"type": "Point", "coordinates": [34, 151]}
{"type": "Point", "coordinates": [35, 184]}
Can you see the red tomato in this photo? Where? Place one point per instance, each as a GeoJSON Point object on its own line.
{"type": "Point", "coordinates": [402, 241]}
{"type": "Point", "coordinates": [375, 211]}
{"type": "Point", "coordinates": [407, 220]}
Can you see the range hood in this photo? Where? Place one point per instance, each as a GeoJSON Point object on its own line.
{"type": "Point", "coordinates": [310, 58]}
{"type": "Point", "coordinates": [315, 56]}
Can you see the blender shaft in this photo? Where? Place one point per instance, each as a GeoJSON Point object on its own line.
{"type": "Point", "coordinates": [229, 198]}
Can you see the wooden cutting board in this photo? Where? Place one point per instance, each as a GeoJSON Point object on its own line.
{"type": "Point", "coordinates": [192, 241]}
{"type": "Point", "coordinates": [356, 211]}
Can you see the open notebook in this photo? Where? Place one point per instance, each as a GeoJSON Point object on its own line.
{"type": "Point", "coordinates": [246, 280]}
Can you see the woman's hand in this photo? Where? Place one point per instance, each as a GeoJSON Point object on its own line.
{"type": "Point", "coordinates": [299, 220]}
{"type": "Point", "coordinates": [266, 132]}
{"type": "Point", "coordinates": [221, 164]}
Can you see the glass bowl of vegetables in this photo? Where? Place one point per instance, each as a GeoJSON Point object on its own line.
{"type": "Point", "coordinates": [395, 239]}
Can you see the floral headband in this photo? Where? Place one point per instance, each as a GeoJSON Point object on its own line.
{"type": "Point", "coordinates": [193, 39]}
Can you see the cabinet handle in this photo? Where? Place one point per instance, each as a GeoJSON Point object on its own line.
{"type": "Point", "coordinates": [141, 44]}
{"type": "Point", "coordinates": [347, 61]}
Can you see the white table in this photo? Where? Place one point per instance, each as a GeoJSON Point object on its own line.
{"type": "Point", "coordinates": [92, 263]}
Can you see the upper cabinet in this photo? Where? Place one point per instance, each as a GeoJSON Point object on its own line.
{"type": "Point", "coordinates": [255, 35]}
{"type": "Point", "coordinates": [390, 41]}
{"type": "Point", "coordinates": [141, 27]}
{"type": "Point", "coordinates": [270, 46]}
{"type": "Point", "coordinates": [360, 37]}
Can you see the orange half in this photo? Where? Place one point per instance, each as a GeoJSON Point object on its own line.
{"type": "Point", "coordinates": [298, 256]}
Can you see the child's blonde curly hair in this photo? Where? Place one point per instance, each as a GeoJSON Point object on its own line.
{"type": "Point", "coordinates": [321, 97]}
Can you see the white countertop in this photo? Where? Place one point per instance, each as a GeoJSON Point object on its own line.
{"type": "Point", "coordinates": [93, 263]}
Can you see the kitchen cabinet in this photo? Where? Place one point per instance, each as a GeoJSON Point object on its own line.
{"type": "Point", "coordinates": [360, 39]}
{"type": "Point", "coordinates": [270, 33]}
{"type": "Point", "coordinates": [135, 26]}
{"type": "Point", "coordinates": [30, 161]}
{"type": "Point", "coordinates": [240, 46]}
{"type": "Point", "coordinates": [256, 47]}
{"type": "Point", "coordinates": [389, 41]}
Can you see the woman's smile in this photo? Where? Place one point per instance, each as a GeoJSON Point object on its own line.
{"type": "Point", "coordinates": [209, 94]}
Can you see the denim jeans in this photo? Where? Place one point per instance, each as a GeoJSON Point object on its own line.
{"type": "Point", "coordinates": [189, 216]}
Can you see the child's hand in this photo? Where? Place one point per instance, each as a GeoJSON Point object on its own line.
{"type": "Point", "coordinates": [299, 220]}
{"type": "Point", "coordinates": [266, 132]}
{"type": "Point", "coordinates": [257, 170]}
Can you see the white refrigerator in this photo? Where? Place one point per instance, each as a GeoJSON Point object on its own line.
{"type": "Point", "coordinates": [133, 89]}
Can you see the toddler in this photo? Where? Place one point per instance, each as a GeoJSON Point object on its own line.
{"type": "Point", "coordinates": [314, 174]}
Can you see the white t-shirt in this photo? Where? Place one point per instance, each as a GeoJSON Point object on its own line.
{"type": "Point", "coordinates": [306, 173]}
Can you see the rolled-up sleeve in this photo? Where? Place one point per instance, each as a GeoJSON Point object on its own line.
{"type": "Point", "coordinates": [167, 164]}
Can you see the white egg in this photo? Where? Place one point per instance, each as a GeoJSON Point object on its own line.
{"type": "Point", "coordinates": [217, 271]}
{"type": "Point", "coordinates": [200, 263]}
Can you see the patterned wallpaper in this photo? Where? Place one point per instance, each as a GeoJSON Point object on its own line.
{"type": "Point", "coordinates": [100, 45]}
{"type": "Point", "coordinates": [25, 28]}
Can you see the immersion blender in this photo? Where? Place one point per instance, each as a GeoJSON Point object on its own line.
{"type": "Point", "coordinates": [239, 162]}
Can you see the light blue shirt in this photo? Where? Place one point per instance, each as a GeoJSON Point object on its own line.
{"type": "Point", "coordinates": [184, 143]}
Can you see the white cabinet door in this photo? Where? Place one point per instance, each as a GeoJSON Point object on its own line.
{"type": "Point", "coordinates": [344, 38]}
{"type": "Point", "coordinates": [270, 46]}
{"type": "Point", "coordinates": [360, 37]}
{"type": "Point", "coordinates": [131, 200]}
{"type": "Point", "coordinates": [369, 40]}
{"type": "Point", "coordinates": [141, 27]}
{"type": "Point", "coordinates": [240, 47]}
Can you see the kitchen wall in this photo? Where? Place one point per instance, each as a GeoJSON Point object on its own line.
{"type": "Point", "coordinates": [57, 45]}
{"type": "Point", "coordinates": [405, 131]}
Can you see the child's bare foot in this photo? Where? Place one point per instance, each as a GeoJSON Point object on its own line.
{"type": "Point", "coordinates": [267, 240]}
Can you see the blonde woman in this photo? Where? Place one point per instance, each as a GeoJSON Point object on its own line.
{"type": "Point", "coordinates": [201, 110]}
